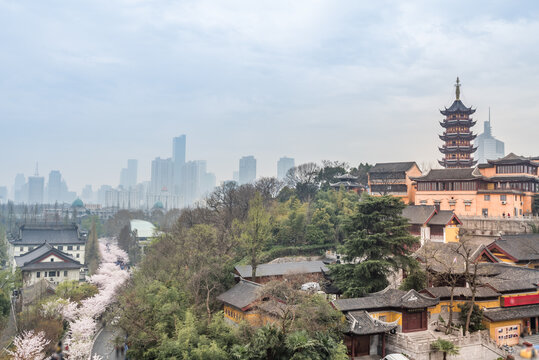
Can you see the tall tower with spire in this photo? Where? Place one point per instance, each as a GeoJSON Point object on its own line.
{"type": "Point", "coordinates": [488, 147]}
{"type": "Point", "coordinates": [458, 136]}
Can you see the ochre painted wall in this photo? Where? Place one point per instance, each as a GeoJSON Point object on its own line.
{"type": "Point", "coordinates": [451, 233]}
{"type": "Point", "coordinates": [390, 316]}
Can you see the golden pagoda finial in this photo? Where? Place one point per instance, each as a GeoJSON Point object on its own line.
{"type": "Point", "coordinates": [457, 91]}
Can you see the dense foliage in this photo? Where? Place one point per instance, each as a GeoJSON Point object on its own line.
{"type": "Point", "coordinates": [476, 320]}
{"type": "Point", "coordinates": [169, 309]}
{"type": "Point", "coordinates": [378, 243]}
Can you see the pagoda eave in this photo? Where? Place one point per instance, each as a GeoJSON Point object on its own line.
{"type": "Point", "coordinates": [457, 163]}
{"type": "Point", "coordinates": [457, 149]}
{"type": "Point", "coordinates": [456, 136]}
{"type": "Point", "coordinates": [461, 122]}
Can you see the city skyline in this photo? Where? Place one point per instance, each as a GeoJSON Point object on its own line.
{"type": "Point", "coordinates": [315, 81]}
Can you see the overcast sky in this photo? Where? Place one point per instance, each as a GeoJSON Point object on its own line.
{"type": "Point", "coordinates": [85, 85]}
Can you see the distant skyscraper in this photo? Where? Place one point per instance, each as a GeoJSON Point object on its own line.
{"type": "Point", "coordinates": [102, 194]}
{"type": "Point", "coordinates": [19, 195]}
{"type": "Point", "coordinates": [236, 176]}
{"type": "Point", "coordinates": [35, 189]}
{"type": "Point", "coordinates": [3, 194]}
{"type": "Point", "coordinates": [178, 158]}
{"type": "Point", "coordinates": [54, 187]}
{"type": "Point", "coordinates": [196, 181]}
{"type": "Point", "coordinates": [128, 176]}
{"type": "Point", "coordinates": [283, 165]}
{"type": "Point", "coordinates": [488, 147]}
{"type": "Point", "coordinates": [247, 169]}
{"type": "Point", "coordinates": [87, 194]}
{"type": "Point", "coordinates": [162, 175]}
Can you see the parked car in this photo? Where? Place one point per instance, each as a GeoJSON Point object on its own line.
{"type": "Point", "coordinates": [395, 357]}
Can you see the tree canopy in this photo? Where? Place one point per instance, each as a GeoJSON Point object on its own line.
{"type": "Point", "coordinates": [378, 243]}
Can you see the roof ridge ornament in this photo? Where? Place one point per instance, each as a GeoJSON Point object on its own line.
{"type": "Point", "coordinates": [457, 90]}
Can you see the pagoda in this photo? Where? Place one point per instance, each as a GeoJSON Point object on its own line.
{"type": "Point", "coordinates": [458, 136]}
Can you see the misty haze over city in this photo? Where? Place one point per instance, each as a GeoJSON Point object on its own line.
{"type": "Point", "coordinates": [269, 180]}
{"type": "Point", "coordinates": [88, 85]}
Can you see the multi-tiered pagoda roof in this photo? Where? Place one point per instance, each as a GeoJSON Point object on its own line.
{"type": "Point", "coordinates": [458, 136]}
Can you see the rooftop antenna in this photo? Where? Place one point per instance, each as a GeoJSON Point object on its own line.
{"type": "Point", "coordinates": [37, 172]}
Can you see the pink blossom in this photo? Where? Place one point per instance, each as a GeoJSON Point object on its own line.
{"type": "Point", "coordinates": [82, 319]}
{"type": "Point", "coordinates": [29, 346]}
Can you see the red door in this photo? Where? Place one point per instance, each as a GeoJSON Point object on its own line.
{"type": "Point", "coordinates": [414, 321]}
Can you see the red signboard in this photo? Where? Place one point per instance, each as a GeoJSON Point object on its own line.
{"type": "Point", "coordinates": [520, 300]}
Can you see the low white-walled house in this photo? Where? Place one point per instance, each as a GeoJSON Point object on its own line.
{"type": "Point", "coordinates": [47, 262]}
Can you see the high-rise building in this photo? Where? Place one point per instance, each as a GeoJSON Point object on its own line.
{"type": "Point", "coordinates": [19, 193]}
{"type": "Point", "coordinates": [196, 181]}
{"type": "Point", "coordinates": [35, 189]}
{"type": "Point", "coordinates": [178, 158]}
{"type": "Point", "coordinates": [128, 175]}
{"type": "Point", "coordinates": [102, 193]}
{"type": "Point", "coordinates": [488, 147]}
{"type": "Point", "coordinates": [54, 187]}
{"type": "Point", "coordinates": [3, 194]}
{"type": "Point", "coordinates": [458, 136]}
{"type": "Point", "coordinates": [283, 165]}
{"type": "Point", "coordinates": [87, 193]}
{"type": "Point", "coordinates": [162, 175]}
{"type": "Point", "coordinates": [247, 172]}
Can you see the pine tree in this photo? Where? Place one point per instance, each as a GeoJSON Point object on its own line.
{"type": "Point", "coordinates": [378, 243]}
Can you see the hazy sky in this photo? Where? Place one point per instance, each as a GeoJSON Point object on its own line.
{"type": "Point", "coordinates": [85, 85]}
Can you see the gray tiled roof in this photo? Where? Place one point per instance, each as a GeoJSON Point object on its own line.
{"type": "Point", "coordinates": [299, 267]}
{"type": "Point", "coordinates": [241, 295]}
{"type": "Point", "coordinates": [51, 234]}
{"type": "Point", "coordinates": [388, 298]}
{"type": "Point", "coordinates": [523, 247]}
{"type": "Point", "coordinates": [512, 158]}
{"type": "Point", "coordinates": [445, 292]}
{"type": "Point", "coordinates": [442, 217]}
{"type": "Point", "coordinates": [507, 278]}
{"type": "Point", "coordinates": [392, 167]}
{"type": "Point", "coordinates": [450, 174]}
{"type": "Point", "coordinates": [29, 261]}
{"type": "Point", "coordinates": [361, 323]}
{"type": "Point", "coordinates": [513, 312]}
{"type": "Point", "coordinates": [418, 214]}
{"type": "Point", "coordinates": [457, 106]}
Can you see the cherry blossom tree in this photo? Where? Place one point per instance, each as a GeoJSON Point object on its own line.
{"type": "Point", "coordinates": [83, 318]}
{"type": "Point", "coordinates": [29, 346]}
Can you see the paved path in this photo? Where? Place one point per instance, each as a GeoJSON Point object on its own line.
{"type": "Point", "coordinates": [104, 344]}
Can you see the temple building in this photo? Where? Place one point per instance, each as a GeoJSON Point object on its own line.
{"type": "Point", "coordinates": [501, 188]}
{"type": "Point", "coordinates": [458, 136]}
{"type": "Point", "coordinates": [348, 182]}
{"type": "Point", "coordinates": [394, 179]}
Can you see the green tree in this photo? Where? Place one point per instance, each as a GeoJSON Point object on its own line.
{"type": "Point", "coordinates": [86, 224]}
{"type": "Point", "coordinates": [444, 346]}
{"type": "Point", "coordinates": [75, 290]}
{"type": "Point", "coordinates": [416, 279]}
{"type": "Point", "coordinates": [320, 230]}
{"type": "Point", "coordinates": [3, 246]}
{"type": "Point", "coordinates": [255, 232]}
{"type": "Point", "coordinates": [476, 318]}
{"type": "Point", "coordinates": [378, 243]}
{"type": "Point", "coordinates": [92, 256]}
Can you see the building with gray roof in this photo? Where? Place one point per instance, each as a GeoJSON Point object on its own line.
{"type": "Point", "coordinates": [270, 271]}
{"type": "Point", "coordinates": [66, 238]}
{"type": "Point", "coordinates": [47, 262]}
